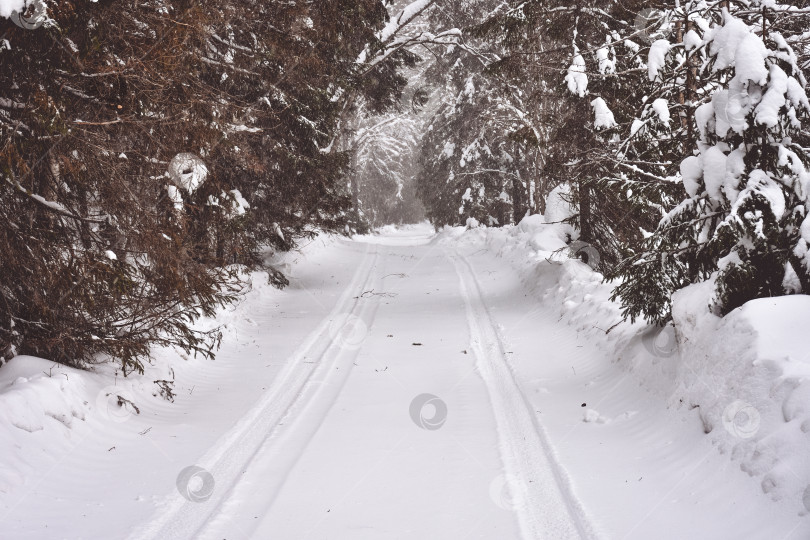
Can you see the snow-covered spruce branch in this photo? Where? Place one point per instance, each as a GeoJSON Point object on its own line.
{"type": "Point", "coordinates": [364, 133]}
{"type": "Point", "coordinates": [231, 44]}
{"type": "Point", "coordinates": [396, 25]}
{"type": "Point", "coordinates": [11, 104]}
{"type": "Point", "coordinates": [15, 126]}
{"type": "Point", "coordinates": [450, 37]}
{"type": "Point", "coordinates": [638, 170]}
{"type": "Point", "coordinates": [485, 171]}
{"type": "Point", "coordinates": [388, 41]}
{"type": "Point", "coordinates": [228, 66]}
{"type": "Point", "coordinates": [80, 94]}
{"type": "Point", "coordinates": [50, 205]}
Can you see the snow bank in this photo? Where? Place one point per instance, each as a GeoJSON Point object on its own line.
{"type": "Point", "coordinates": [40, 403]}
{"type": "Point", "coordinates": [748, 374]}
{"type": "Point", "coordinates": [34, 391]}
{"type": "Point", "coordinates": [50, 411]}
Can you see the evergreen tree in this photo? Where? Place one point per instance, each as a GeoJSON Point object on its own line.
{"type": "Point", "coordinates": [744, 221]}
{"type": "Point", "coordinates": [475, 160]}
{"type": "Point", "coordinates": [568, 63]}
{"type": "Point", "coordinates": [148, 147]}
{"type": "Point", "coordinates": [386, 150]}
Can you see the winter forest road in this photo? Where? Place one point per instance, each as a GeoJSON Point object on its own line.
{"type": "Point", "coordinates": [403, 386]}
{"type": "Point", "coordinates": [398, 417]}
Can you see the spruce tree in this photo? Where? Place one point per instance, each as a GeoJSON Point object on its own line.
{"type": "Point", "coordinates": [743, 222]}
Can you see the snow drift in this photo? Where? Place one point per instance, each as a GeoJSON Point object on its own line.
{"type": "Point", "coordinates": [747, 374]}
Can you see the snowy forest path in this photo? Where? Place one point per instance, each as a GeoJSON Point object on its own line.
{"type": "Point", "coordinates": [538, 487]}
{"type": "Point", "coordinates": [303, 390]}
{"type": "Point", "coordinates": [398, 416]}
{"type": "Point", "coordinates": [415, 429]}
{"type": "Point", "coordinates": [405, 385]}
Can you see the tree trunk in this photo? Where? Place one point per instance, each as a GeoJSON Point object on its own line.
{"type": "Point", "coordinates": [681, 94]}
{"type": "Point", "coordinates": [585, 233]}
{"type": "Point", "coordinates": [355, 189]}
{"type": "Point", "coordinates": [518, 207]}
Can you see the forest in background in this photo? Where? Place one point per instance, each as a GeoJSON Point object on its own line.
{"type": "Point", "coordinates": [152, 152]}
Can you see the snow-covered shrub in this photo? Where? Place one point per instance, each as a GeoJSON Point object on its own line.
{"type": "Point", "coordinates": [744, 219]}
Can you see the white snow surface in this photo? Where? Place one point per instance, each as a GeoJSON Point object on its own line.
{"type": "Point", "coordinates": [7, 7]}
{"type": "Point", "coordinates": [749, 376]}
{"type": "Point", "coordinates": [477, 383]}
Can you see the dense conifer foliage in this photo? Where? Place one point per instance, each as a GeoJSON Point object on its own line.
{"type": "Point", "coordinates": [153, 152]}
{"type": "Point", "coordinates": [150, 150]}
{"type": "Point", "coordinates": [681, 129]}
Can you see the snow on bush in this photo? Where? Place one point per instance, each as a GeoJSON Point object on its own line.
{"type": "Point", "coordinates": [232, 203]}
{"type": "Point", "coordinates": [577, 79]}
{"type": "Point", "coordinates": [746, 186]}
{"type": "Point", "coordinates": [607, 65]}
{"type": "Point", "coordinates": [175, 196]}
{"type": "Point", "coordinates": [748, 374]}
{"type": "Point", "coordinates": [240, 204]}
{"type": "Point", "coordinates": [187, 171]}
{"type": "Point", "coordinates": [759, 202]}
{"type": "Point", "coordinates": [603, 115]}
{"type": "Point", "coordinates": [661, 108]}
{"type": "Point", "coordinates": [657, 57]}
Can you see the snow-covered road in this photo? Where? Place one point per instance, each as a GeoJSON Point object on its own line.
{"type": "Point", "coordinates": [398, 417]}
{"type": "Point", "coordinates": [401, 387]}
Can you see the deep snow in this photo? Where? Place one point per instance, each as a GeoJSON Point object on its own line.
{"type": "Point", "coordinates": [412, 385]}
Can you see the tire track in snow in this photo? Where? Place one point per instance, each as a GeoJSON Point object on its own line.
{"type": "Point", "coordinates": [308, 385]}
{"type": "Point", "coordinates": [545, 505]}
